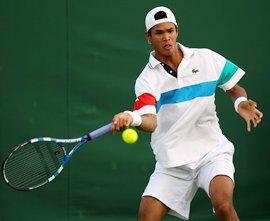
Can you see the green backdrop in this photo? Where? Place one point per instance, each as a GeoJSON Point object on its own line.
{"type": "Point", "coordinates": [68, 66]}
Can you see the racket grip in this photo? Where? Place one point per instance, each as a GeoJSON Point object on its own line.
{"type": "Point", "coordinates": [100, 131]}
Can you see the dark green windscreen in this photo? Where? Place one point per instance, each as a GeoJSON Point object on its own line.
{"type": "Point", "coordinates": [68, 66]}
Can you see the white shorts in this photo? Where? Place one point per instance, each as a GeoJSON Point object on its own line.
{"type": "Point", "coordinates": [176, 187]}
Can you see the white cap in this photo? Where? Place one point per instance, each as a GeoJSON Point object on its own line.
{"type": "Point", "coordinates": [152, 18]}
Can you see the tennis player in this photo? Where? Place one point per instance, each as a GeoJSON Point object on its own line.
{"type": "Point", "coordinates": [176, 103]}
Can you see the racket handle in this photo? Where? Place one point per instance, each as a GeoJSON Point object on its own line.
{"type": "Point", "coordinates": [100, 131]}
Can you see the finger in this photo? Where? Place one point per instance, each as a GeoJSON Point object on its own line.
{"type": "Point", "coordinates": [260, 114]}
{"type": "Point", "coordinates": [114, 122]}
{"type": "Point", "coordinates": [112, 131]}
{"type": "Point", "coordinates": [127, 122]}
{"type": "Point", "coordinates": [116, 125]}
{"type": "Point", "coordinates": [119, 125]}
{"type": "Point", "coordinates": [248, 125]}
{"type": "Point", "coordinates": [253, 103]}
{"type": "Point", "coordinates": [257, 118]}
{"type": "Point", "coordinates": [254, 122]}
{"type": "Point", "coordinates": [123, 123]}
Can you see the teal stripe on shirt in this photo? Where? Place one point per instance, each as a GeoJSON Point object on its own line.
{"type": "Point", "coordinates": [187, 93]}
{"type": "Point", "coordinates": [227, 72]}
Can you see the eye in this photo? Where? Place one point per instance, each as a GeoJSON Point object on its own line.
{"type": "Point", "coordinates": [158, 32]}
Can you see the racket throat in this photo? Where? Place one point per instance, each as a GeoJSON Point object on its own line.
{"type": "Point", "coordinates": [86, 138]}
{"type": "Point", "coordinates": [66, 160]}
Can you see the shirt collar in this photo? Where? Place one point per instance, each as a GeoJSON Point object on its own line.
{"type": "Point", "coordinates": [153, 62]}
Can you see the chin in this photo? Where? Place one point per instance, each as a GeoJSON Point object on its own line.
{"type": "Point", "coordinates": [168, 53]}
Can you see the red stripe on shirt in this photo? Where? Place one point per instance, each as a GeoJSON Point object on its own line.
{"type": "Point", "coordinates": [143, 100]}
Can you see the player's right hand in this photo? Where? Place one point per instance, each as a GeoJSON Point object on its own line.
{"type": "Point", "coordinates": [120, 122]}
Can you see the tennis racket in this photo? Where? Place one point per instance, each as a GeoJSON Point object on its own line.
{"type": "Point", "coordinates": [38, 161]}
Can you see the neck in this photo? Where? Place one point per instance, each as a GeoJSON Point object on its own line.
{"type": "Point", "coordinates": [172, 60]}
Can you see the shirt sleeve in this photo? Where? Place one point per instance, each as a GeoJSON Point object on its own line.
{"type": "Point", "coordinates": [145, 102]}
{"type": "Point", "coordinates": [228, 73]}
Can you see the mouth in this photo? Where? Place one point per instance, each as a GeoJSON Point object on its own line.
{"type": "Point", "coordinates": [167, 46]}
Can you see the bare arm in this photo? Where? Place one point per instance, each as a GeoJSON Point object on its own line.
{"type": "Point", "coordinates": [236, 92]}
{"type": "Point", "coordinates": [122, 121]}
{"type": "Point", "coordinates": [149, 123]}
{"type": "Point", "coordinates": [247, 109]}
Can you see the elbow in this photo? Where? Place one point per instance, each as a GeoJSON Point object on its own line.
{"type": "Point", "coordinates": [153, 127]}
{"type": "Point", "coordinates": [149, 123]}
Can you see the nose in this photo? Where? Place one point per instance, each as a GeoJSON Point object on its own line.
{"type": "Point", "coordinates": [166, 36]}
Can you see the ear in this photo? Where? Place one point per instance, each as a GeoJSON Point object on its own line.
{"type": "Point", "coordinates": [177, 30]}
{"type": "Point", "coordinates": [147, 37]}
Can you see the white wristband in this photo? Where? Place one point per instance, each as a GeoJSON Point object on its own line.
{"type": "Point", "coordinates": [136, 118]}
{"type": "Point", "coordinates": [238, 101]}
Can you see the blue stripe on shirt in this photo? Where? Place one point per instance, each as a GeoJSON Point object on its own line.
{"type": "Point", "coordinates": [179, 95]}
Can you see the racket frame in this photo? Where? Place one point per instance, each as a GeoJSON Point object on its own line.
{"type": "Point", "coordinates": [67, 156]}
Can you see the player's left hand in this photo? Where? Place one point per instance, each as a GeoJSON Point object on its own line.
{"type": "Point", "coordinates": [249, 112]}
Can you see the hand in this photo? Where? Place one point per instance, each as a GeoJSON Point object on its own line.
{"type": "Point", "coordinates": [248, 110]}
{"type": "Point", "coordinates": [120, 122]}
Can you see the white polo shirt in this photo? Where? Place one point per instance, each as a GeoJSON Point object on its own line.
{"type": "Point", "coordinates": [187, 124]}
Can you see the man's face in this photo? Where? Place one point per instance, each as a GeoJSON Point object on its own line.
{"type": "Point", "coordinates": [163, 38]}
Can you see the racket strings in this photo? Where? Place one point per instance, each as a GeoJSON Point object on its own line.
{"type": "Point", "coordinates": [33, 164]}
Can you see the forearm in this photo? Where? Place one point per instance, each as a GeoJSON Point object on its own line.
{"type": "Point", "coordinates": [236, 92]}
{"type": "Point", "coordinates": [149, 123]}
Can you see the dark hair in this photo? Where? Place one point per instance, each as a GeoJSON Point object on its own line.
{"type": "Point", "coordinates": [149, 32]}
{"type": "Point", "coordinates": [157, 16]}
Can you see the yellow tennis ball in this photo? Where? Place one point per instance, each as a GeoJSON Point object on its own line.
{"type": "Point", "coordinates": [130, 136]}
